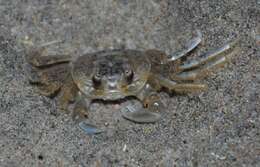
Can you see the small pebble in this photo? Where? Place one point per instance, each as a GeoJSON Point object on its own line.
{"type": "Point", "coordinates": [124, 148]}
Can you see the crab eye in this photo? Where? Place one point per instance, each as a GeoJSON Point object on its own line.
{"type": "Point", "coordinates": [97, 79]}
{"type": "Point", "coordinates": [128, 72]}
{"type": "Point", "coordinates": [127, 69]}
{"type": "Point", "coordinates": [129, 75]}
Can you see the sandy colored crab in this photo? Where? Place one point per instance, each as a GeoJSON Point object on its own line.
{"type": "Point", "coordinates": [117, 74]}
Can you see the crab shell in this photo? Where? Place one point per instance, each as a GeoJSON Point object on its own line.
{"type": "Point", "coordinates": [84, 67]}
{"type": "Point", "coordinates": [150, 70]}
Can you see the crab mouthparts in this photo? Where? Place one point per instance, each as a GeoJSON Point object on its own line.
{"type": "Point", "coordinates": [112, 82]}
{"type": "Point", "coordinates": [112, 85]}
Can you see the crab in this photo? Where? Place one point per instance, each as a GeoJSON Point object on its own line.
{"type": "Point", "coordinates": [116, 74]}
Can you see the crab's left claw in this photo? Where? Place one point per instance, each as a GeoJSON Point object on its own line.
{"type": "Point", "coordinates": [140, 115]}
{"type": "Point", "coordinates": [90, 129]}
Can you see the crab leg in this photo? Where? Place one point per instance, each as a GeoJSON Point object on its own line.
{"type": "Point", "coordinates": [80, 111]}
{"type": "Point", "coordinates": [181, 87]}
{"type": "Point", "coordinates": [90, 129]}
{"type": "Point", "coordinates": [50, 80]}
{"type": "Point", "coordinates": [38, 58]}
{"type": "Point", "coordinates": [189, 87]}
{"type": "Point", "coordinates": [50, 75]}
{"type": "Point", "coordinates": [212, 60]}
{"type": "Point", "coordinates": [68, 93]}
{"type": "Point", "coordinates": [210, 56]}
{"type": "Point", "coordinates": [188, 48]}
{"type": "Point", "coordinates": [203, 71]}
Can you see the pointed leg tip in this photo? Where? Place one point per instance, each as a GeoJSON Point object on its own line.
{"type": "Point", "coordinates": [141, 115]}
{"type": "Point", "coordinates": [90, 129]}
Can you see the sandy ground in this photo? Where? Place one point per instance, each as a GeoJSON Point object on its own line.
{"type": "Point", "coordinates": [220, 127]}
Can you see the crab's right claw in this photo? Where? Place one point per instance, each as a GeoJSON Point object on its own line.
{"type": "Point", "coordinates": [90, 129]}
{"type": "Point", "coordinates": [140, 115]}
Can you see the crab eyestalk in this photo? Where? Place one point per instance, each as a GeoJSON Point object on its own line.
{"type": "Point", "coordinates": [129, 74]}
{"type": "Point", "coordinates": [97, 80]}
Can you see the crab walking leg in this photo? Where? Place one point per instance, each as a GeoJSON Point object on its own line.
{"type": "Point", "coordinates": [201, 72]}
{"type": "Point", "coordinates": [39, 58]}
{"type": "Point", "coordinates": [181, 87]}
{"type": "Point", "coordinates": [80, 111]}
{"type": "Point", "coordinates": [54, 74]}
{"type": "Point", "coordinates": [68, 93]}
{"type": "Point", "coordinates": [48, 80]}
{"type": "Point", "coordinates": [208, 57]}
{"type": "Point", "coordinates": [191, 45]}
{"type": "Point", "coordinates": [189, 87]}
{"type": "Point", "coordinates": [90, 129]}
{"type": "Point", "coordinates": [48, 90]}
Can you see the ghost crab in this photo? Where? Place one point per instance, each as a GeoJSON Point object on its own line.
{"type": "Point", "coordinates": [116, 74]}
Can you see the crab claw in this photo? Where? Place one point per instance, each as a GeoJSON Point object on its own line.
{"type": "Point", "coordinates": [140, 115]}
{"type": "Point", "coordinates": [90, 129]}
